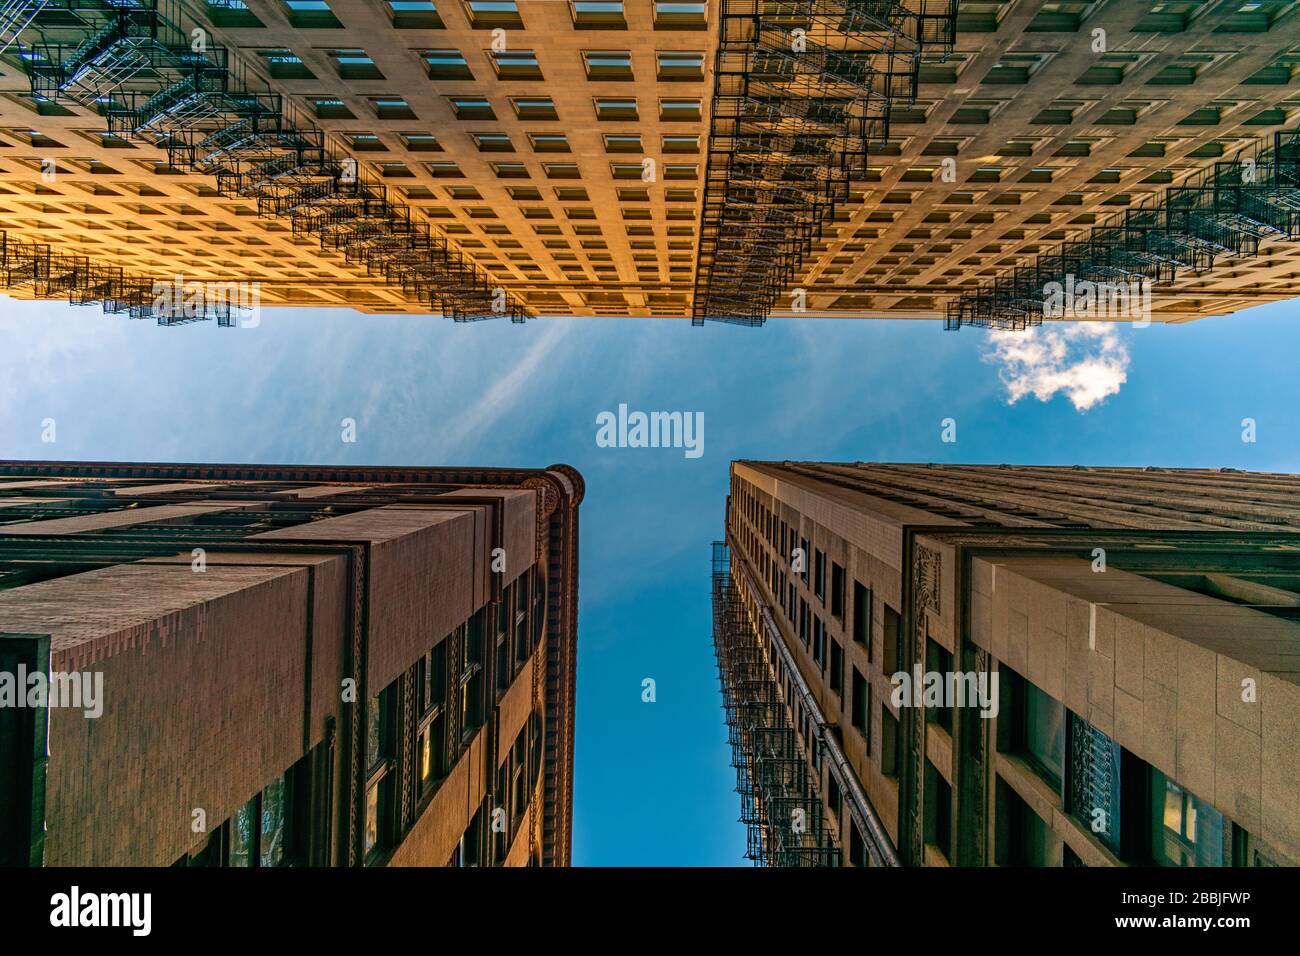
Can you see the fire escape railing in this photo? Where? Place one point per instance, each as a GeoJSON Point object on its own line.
{"type": "Point", "coordinates": [47, 273]}
{"type": "Point", "coordinates": [772, 771]}
{"type": "Point", "coordinates": [157, 82]}
{"type": "Point", "coordinates": [1222, 212]}
{"type": "Point", "coordinates": [802, 91]}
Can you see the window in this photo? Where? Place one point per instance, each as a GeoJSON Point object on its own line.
{"type": "Point", "coordinates": [684, 144]}
{"type": "Point", "coordinates": [446, 65]}
{"type": "Point", "coordinates": [679, 111]}
{"type": "Point", "coordinates": [310, 14]}
{"type": "Point", "coordinates": [888, 741]}
{"type": "Point", "coordinates": [1185, 830]}
{"type": "Point", "coordinates": [444, 170]}
{"type": "Point", "coordinates": [608, 65]}
{"type": "Point", "coordinates": [472, 665]}
{"type": "Point", "coordinates": [938, 659]}
{"type": "Point", "coordinates": [379, 761]}
{"type": "Point", "coordinates": [511, 171]}
{"type": "Point", "coordinates": [677, 65]}
{"type": "Point", "coordinates": [257, 829]}
{"type": "Point", "coordinates": [609, 108]}
{"type": "Point", "coordinates": [681, 171]}
{"type": "Point", "coordinates": [892, 659]}
{"type": "Point", "coordinates": [549, 142]}
{"type": "Point", "coordinates": [491, 14]}
{"type": "Point", "coordinates": [471, 107]}
{"type": "Point", "coordinates": [331, 108]}
{"type": "Point", "coordinates": [414, 14]}
{"type": "Point", "coordinates": [597, 15]}
{"type": "Point", "coordinates": [354, 65]}
{"type": "Point", "coordinates": [365, 143]}
{"type": "Point", "coordinates": [837, 668]}
{"type": "Point", "coordinates": [861, 693]}
{"type": "Point", "coordinates": [493, 142]}
{"type": "Point", "coordinates": [862, 616]}
{"type": "Point", "coordinates": [837, 591]}
{"type": "Point", "coordinates": [284, 64]}
{"type": "Point", "coordinates": [624, 143]}
{"type": "Point", "coordinates": [534, 108]}
{"type": "Point", "coordinates": [421, 142]}
{"type": "Point", "coordinates": [431, 722]}
{"type": "Point", "coordinates": [562, 171]}
{"type": "Point", "coordinates": [938, 811]}
{"type": "Point", "coordinates": [1041, 738]}
{"type": "Point", "coordinates": [516, 65]}
{"type": "Point", "coordinates": [392, 107]}
{"type": "Point", "coordinates": [680, 16]}
{"type": "Point", "coordinates": [819, 574]}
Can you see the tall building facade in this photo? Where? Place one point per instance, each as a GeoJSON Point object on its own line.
{"type": "Point", "coordinates": [286, 665]}
{"type": "Point", "coordinates": [711, 159]}
{"type": "Point", "coordinates": [1099, 664]}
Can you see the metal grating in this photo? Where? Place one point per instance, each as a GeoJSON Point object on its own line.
{"type": "Point", "coordinates": [139, 65]}
{"type": "Point", "coordinates": [803, 90]}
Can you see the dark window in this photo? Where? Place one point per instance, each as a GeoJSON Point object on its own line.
{"type": "Point", "coordinates": [862, 617]}
{"type": "Point", "coordinates": [837, 592]}
{"type": "Point", "coordinates": [938, 659]}
{"type": "Point", "coordinates": [819, 575]}
{"type": "Point", "coordinates": [837, 667]}
{"type": "Point", "coordinates": [862, 706]}
{"type": "Point", "coordinates": [888, 742]}
{"type": "Point", "coordinates": [938, 811]}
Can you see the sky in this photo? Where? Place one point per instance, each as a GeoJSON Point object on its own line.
{"type": "Point", "coordinates": [653, 781]}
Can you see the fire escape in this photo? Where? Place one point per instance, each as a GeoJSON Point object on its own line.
{"type": "Point", "coordinates": [159, 82]}
{"type": "Point", "coordinates": [779, 802]}
{"type": "Point", "coordinates": [1223, 212]}
{"type": "Point", "coordinates": [803, 90]}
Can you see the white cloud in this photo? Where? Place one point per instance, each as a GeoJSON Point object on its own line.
{"type": "Point", "coordinates": [1085, 361]}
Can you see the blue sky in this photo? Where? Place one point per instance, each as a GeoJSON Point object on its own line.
{"type": "Point", "coordinates": [653, 780]}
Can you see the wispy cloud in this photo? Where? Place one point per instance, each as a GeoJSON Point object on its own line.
{"type": "Point", "coordinates": [502, 396]}
{"type": "Point", "coordinates": [1085, 361]}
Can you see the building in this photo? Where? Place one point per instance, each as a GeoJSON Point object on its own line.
{"type": "Point", "coordinates": [287, 665]}
{"type": "Point", "coordinates": [659, 157]}
{"type": "Point", "coordinates": [1100, 664]}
